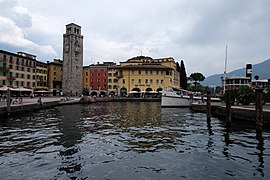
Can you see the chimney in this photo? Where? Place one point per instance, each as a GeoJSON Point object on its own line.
{"type": "Point", "coordinates": [249, 71]}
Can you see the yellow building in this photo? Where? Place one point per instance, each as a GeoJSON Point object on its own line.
{"type": "Point", "coordinates": [146, 74]}
{"type": "Point", "coordinates": [112, 79]}
{"type": "Point", "coordinates": [86, 80]}
{"type": "Point", "coordinates": [55, 70]}
{"type": "Point", "coordinates": [41, 76]}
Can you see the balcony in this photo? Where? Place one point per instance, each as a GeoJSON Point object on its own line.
{"type": "Point", "coordinates": [4, 69]}
{"type": "Point", "coordinates": [11, 78]}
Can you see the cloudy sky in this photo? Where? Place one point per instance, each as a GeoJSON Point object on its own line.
{"type": "Point", "coordinates": [196, 31]}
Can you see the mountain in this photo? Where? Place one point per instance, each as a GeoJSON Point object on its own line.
{"type": "Point", "coordinates": [260, 69]}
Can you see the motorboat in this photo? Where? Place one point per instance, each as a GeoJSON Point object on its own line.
{"type": "Point", "coordinates": [182, 98]}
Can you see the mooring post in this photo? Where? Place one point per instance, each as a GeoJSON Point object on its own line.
{"type": "Point", "coordinates": [228, 108]}
{"type": "Point", "coordinates": [208, 106]}
{"type": "Point", "coordinates": [259, 109]}
{"type": "Point", "coordinates": [191, 99]}
{"type": "Point", "coordinates": [8, 100]}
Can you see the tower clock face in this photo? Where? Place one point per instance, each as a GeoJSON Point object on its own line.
{"type": "Point", "coordinates": [77, 47]}
{"type": "Point", "coordinates": [67, 48]}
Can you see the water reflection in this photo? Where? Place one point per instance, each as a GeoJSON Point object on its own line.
{"type": "Point", "coordinates": [260, 147]}
{"type": "Point", "coordinates": [70, 138]}
{"type": "Point", "coordinates": [129, 141]}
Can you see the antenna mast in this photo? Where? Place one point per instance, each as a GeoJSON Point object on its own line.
{"type": "Point", "coordinates": [225, 71]}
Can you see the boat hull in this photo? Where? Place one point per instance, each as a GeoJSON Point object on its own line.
{"type": "Point", "coordinates": [172, 99]}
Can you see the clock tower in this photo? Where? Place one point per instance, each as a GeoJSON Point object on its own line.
{"type": "Point", "coordinates": [72, 60]}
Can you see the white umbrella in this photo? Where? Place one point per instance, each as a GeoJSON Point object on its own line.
{"type": "Point", "coordinates": [23, 89]}
{"type": "Point", "coordinates": [6, 88]}
{"type": "Point", "coordinates": [41, 91]}
{"type": "Point", "coordinates": [133, 92]}
{"type": "Point", "coordinates": [152, 92]}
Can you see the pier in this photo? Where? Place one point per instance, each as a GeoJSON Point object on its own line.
{"type": "Point", "coordinates": [242, 113]}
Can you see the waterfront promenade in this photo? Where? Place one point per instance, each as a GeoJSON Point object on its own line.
{"type": "Point", "coordinates": [30, 104]}
{"type": "Point", "coordinates": [27, 100]}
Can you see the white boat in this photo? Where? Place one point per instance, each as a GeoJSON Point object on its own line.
{"type": "Point", "coordinates": [182, 98]}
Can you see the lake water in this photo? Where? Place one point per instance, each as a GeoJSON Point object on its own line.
{"type": "Point", "coordinates": [129, 140]}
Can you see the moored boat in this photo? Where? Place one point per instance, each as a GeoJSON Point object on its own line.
{"type": "Point", "coordinates": [182, 98]}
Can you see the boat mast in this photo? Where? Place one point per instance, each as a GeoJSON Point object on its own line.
{"type": "Point", "coordinates": [225, 71]}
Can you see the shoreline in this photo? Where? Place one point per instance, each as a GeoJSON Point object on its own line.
{"type": "Point", "coordinates": [239, 113]}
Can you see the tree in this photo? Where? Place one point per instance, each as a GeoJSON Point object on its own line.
{"type": "Point", "coordinates": [178, 69]}
{"type": "Point", "coordinates": [183, 76]}
{"type": "Point", "coordinates": [256, 77]}
{"type": "Point", "coordinates": [196, 77]}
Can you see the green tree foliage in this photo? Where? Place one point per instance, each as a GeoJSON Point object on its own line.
{"type": "Point", "coordinates": [183, 76]}
{"type": "Point", "coordinates": [244, 95]}
{"type": "Point", "coordinates": [266, 96]}
{"type": "Point", "coordinates": [196, 78]}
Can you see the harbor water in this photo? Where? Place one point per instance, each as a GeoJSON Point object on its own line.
{"type": "Point", "coordinates": [129, 140]}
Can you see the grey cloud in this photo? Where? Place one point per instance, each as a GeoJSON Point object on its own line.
{"type": "Point", "coordinates": [10, 9]}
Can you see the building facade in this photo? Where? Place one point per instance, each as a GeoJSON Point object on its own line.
{"type": "Point", "coordinates": [17, 70]}
{"type": "Point", "coordinates": [55, 71]}
{"type": "Point", "coordinates": [72, 60]}
{"type": "Point", "coordinates": [41, 76]}
{"type": "Point", "coordinates": [144, 74]}
{"type": "Point", "coordinates": [95, 78]}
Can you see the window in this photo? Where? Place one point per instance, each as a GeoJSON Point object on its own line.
{"type": "Point", "coordinates": [17, 67]}
{"type": "Point", "coordinates": [28, 84]}
{"type": "Point", "coordinates": [110, 80]}
{"type": "Point", "coordinates": [34, 84]}
{"type": "Point", "coordinates": [132, 72]}
{"type": "Point", "coordinates": [109, 87]}
{"type": "Point", "coordinates": [161, 81]}
{"type": "Point", "coordinates": [28, 76]}
{"type": "Point", "coordinates": [151, 81]}
{"type": "Point", "coordinates": [105, 74]}
{"type": "Point", "coordinates": [157, 72]}
{"type": "Point", "coordinates": [22, 83]}
{"type": "Point", "coordinates": [22, 75]}
{"type": "Point", "coordinates": [54, 68]}
{"type": "Point", "coordinates": [139, 72]}
{"type": "Point", "coordinates": [86, 73]}
{"type": "Point", "coordinates": [86, 79]}
{"type": "Point", "coordinates": [139, 81]}
{"type": "Point", "coordinates": [151, 72]}
{"type": "Point", "coordinates": [161, 72]}
{"type": "Point", "coordinates": [124, 81]}
{"type": "Point", "coordinates": [146, 72]}
{"type": "Point", "coordinates": [22, 68]}
{"type": "Point", "coordinates": [110, 74]}
{"type": "Point", "coordinates": [28, 69]}
{"type": "Point", "coordinates": [17, 75]}
{"type": "Point", "coordinates": [146, 81]}
{"type": "Point", "coordinates": [132, 81]}
{"type": "Point", "coordinates": [54, 73]}
{"type": "Point", "coordinates": [10, 67]}
{"type": "Point", "coordinates": [157, 81]}
{"type": "Point", "coordinates": [105, 80]}
{"type": "Point", "coordinates": [167, 73]}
